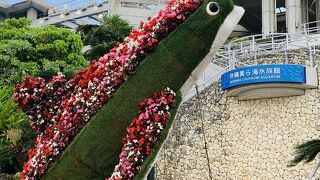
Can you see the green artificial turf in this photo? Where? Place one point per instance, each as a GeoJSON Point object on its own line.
{"type": "Point", "coordinates": [95, 151]}
{"type": "Point", "coordinates": [154, 152]}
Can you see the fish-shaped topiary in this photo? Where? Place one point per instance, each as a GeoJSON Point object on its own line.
{"type": "Point", "coordinates": [171, 49]}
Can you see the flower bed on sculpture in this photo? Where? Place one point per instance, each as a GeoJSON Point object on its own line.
{"type": "Point", "coordinates": [60, 109]}
{"type": "Point", "coordinates": [143, 133]}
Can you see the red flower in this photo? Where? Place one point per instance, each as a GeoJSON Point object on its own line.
{"type": "Point", "coordinates": [141, 141]}
{"type": "Point", "coordinates": [147, 150]}
{"type": "Point", "coordinates": [24, 102]}
{"type": "Point", "coordinates": [142, 134]}
{"type": "Point", "coordinates": [156, 117]}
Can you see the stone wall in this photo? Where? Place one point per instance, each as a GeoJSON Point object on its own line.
{"type": "Point", "coordinates": [224, 138]}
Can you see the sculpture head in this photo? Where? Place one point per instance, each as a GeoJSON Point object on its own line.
{"type": "Point", "coordinates": [212, 24]}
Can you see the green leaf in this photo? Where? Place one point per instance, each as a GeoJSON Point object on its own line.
{"type": "Point", "coordinates": [14, 135]}
{"type": "Point", "coordinates": [23, 48]}
{"type": "Point", "coordinates": [103, 38]}
{"type": "Point", "coordinates": [306, 152]}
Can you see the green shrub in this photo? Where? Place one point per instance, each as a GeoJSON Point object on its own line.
{"type": "Point", "coordinates": [29, 50]}
{"type": "Point", "coordinates": [16, 136]}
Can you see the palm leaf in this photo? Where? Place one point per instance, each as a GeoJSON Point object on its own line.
{"type": "Point", "coordinates": [99, 50]}
{"type": "Point", "coordinates": [83, 30]}
{"type": "Point", "coordinates": [306, 152]}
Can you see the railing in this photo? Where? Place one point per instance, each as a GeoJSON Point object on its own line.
{"type": "Point", "coordinates": [206, 83]}
{"type": "Point", "coordinates": [76, 10]}
{"type": "Point", "coordinates": [60, 11]}
{"type": "Point", "coordinates": [81, 4]}
{"type": "Point", "coordinates": [249, 50]}
{"type": "Point", "coordinates": [73, 5]}
{"type": "Point", "coordinates": [144, 4]}
{"type": "Point", "coordinates": [311, 27]}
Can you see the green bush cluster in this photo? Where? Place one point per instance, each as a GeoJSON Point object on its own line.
{"type": "Point", "coordinates": [36, 51]}
{"type": "Point", "coordinates": [29, 50]}
{"type": "Point", "coordinates": [42, 51]}
{"type": "Point", "coordinates": [16, 136]}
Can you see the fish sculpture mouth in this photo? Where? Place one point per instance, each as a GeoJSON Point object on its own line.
{"type": "Point", "coordinates": [105, 94]}
{"type": "Point", "coordinates": [223, 33]}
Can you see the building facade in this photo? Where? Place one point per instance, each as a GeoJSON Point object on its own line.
{"type": "Point", "coordinates": [288, 15]}
{"type": "Point", "coordinates": [79, 12]}
{"type": "Point", "coordinates": [31, 9]}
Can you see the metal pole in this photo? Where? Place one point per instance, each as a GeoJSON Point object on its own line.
{"type": "Point", "coordinates": [313, 173]}
{"type": "Point", "coordinates": [287, 44]}
{"type": "Point", "coordinates": [241, 46]}
{"type": "Point", "coordinates": [229, 56]}
{"type": "Point", "coordinates": [272, 41]}
{"type": "Point", "coordinates": [233, 59]}
{"type": "Point", "coordinates": [254, 51]}
{"type": "Point", "coordinates": [310, 51]}
{"type": "Point", "coordinates": [305, 28]}
{"type": "Point", "coordinates": [310, 57]}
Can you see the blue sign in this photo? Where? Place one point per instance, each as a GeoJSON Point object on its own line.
{"type": "Point", "coordinates": [286, 73]}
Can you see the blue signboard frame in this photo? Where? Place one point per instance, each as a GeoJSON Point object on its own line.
{"type": "Point", "coordinates": [272, 73]}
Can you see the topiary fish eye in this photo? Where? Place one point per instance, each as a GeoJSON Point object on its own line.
{"type": "Point", "coordinates": [213, 8]}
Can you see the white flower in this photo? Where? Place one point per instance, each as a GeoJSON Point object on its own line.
{"type": "Point", "coordinates": [131, 153]}
{"type": "Point", "coordinates": [160, 126]}
{"type": "Point", "coordinates": [90, 84]}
